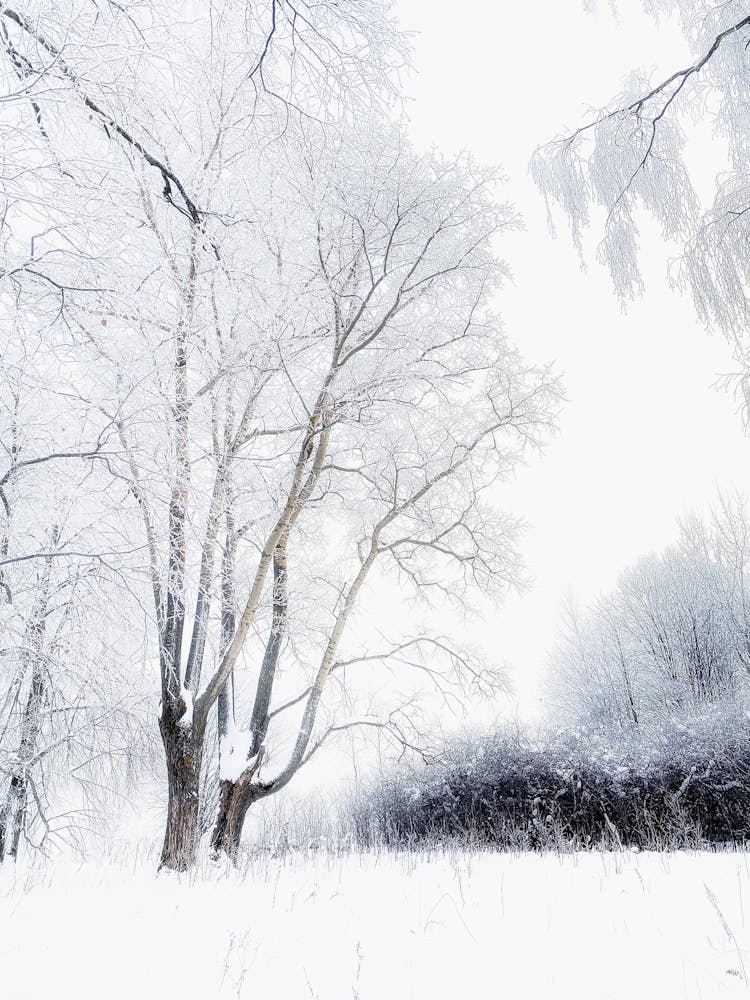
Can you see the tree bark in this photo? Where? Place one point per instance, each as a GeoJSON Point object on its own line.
{"type": "Point", "coordinates": [235, 799]}
{"type": "Point", "coordinates": [260, 718]}
{"type": "Point", "coordinates": [13, 813]}
{"type": "Point", "coordinates": [12, 818]}
{"type": "Point", "coordinates": [183, 749]}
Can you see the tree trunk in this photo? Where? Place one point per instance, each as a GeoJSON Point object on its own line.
{"type": "Point", "coordinates": [235, 798]}
{"type": "Point", "coordinates": [183, 750]}
{"type": "Point", "coordinates": [12, 817]}
{"type": "Point", "coordinates": [13, 813]}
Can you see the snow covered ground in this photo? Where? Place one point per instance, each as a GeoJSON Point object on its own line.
{"type": "Point", "coordinates": [371, 927]}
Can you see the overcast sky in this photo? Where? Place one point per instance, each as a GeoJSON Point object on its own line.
{"type": "Point", "coordinates": [645, 435]}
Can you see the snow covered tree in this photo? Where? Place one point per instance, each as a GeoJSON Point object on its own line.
{"type": "Point", "coordinates": [283, 316]}
{"type": "Point", "coordinates": [410, 404]}
{"type": "Point", "coordinates": [122, 214]}
{"type": "Point", "coordinates": [672, 636]}
{"type": "Point", "coordinates": [62, 717]}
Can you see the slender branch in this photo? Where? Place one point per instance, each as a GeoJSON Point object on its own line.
{"type": "Point", "coordinates": [189, 209]}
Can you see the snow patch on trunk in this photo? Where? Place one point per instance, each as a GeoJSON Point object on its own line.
{"type": "Point", "coordinates": [186, 720]}
{"type": "Point", "coordinates": [234, 753]}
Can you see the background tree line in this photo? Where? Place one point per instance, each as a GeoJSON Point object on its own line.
{"type": "Point", "coordinates": [671, 638]}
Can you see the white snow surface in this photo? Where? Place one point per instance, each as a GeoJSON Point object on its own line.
{"type": "Point", "coordinates": [366, 926]}
{"type": "Point", "coordinates": [234, 750]}
{"type": "Point", "coordinates": [186, 720]}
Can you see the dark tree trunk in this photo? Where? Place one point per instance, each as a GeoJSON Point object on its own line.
{"type": "Point", "coordinates": [13, 813]}
{"type": "Point", "coordinates": [12, 817]}
{"type": "Point", "coordinates": [235, 798]}
{"type": "Point", "coordinates": [183, 749]}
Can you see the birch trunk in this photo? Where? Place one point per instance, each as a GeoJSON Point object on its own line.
{"type": "Point", "coordinates": [13, 812]}
{"type": "Point", "coordinates": [12, 817]}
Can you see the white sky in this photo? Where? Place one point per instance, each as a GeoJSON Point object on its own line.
{"type": "Point", "coordinates": [644, 436]}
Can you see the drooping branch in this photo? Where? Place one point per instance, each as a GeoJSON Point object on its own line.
{"type": "Point", "coordinates": [679, 77]}
{"type": "Point", "coordinates": [568, 177]}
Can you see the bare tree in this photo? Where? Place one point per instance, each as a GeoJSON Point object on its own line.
{"type": "Point", "coordinates": [105, 153]}
{"type": "Point", "coordinates": [371, 387]}
{"type": "Point", "coordinates": [285, 319]}
{"type": "Point", "coordinates": [59, 712]}
{"type": "Point", "coordinates": [722, 540]}
{"type": "Point", "coordinates": [593, 677]}
{"type": "Point", "coordinates": [670, 638]}
{"type": "Point", "coordinates": [418, 405]}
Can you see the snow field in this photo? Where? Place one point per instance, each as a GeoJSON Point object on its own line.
{"type": "Point", "coordinates": [375, 926]}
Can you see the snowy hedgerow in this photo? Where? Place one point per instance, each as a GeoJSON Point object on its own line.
{"type": "Point", "coordinates": [681, 784]}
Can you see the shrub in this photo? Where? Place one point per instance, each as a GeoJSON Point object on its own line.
{"type": "Point", "coordinates": [685, 783]}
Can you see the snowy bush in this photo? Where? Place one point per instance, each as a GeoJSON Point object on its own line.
{"type": "Point", "coordinates": [685, 783]}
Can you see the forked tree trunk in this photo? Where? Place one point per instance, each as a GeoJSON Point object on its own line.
{"type": "Point", "coordinates": [183, 749]}
{"type": "Point", "coordinates": [235, 799]}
